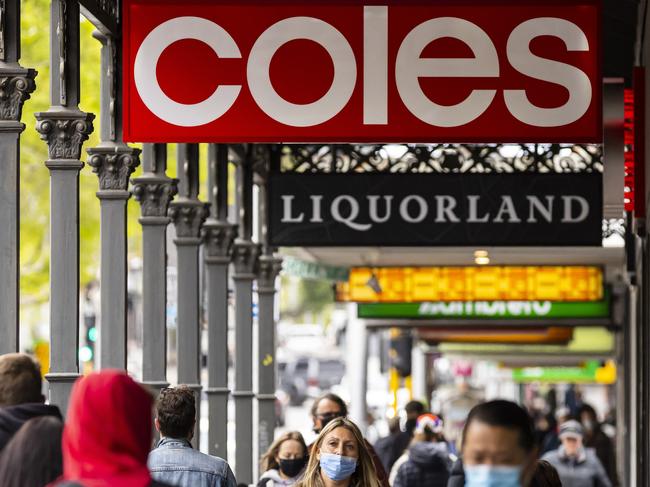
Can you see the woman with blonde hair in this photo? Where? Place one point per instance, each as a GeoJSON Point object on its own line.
{"type": "Point", "coordinates": [284, 462]}
{"type": "Point", "coordinates": [340, 458]}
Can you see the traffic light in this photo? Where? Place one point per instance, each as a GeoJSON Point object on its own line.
{"type": "Point", "coordinates": [401, 344]}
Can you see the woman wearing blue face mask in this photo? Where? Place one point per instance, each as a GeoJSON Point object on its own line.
{"type": "Point", "coordinates": [340, 458]}
{"type": "Point", "coordinates": [498, 446]}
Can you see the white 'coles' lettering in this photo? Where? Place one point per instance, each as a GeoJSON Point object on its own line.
{"type": "Point", "coordinates": [409, 68]}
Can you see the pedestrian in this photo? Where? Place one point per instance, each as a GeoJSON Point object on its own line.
{"type": "Point", "coordinates": [340, 458]}
{"type": "Point", "coordinates": [328, 407]}
{"type": "Point", "coordinates": [32, 458]}
{"type": "Point", "coordinates": [577, 466]}
{"type": "Point", "coordinates": [21, 396]}
{"type": "Point", "coordinates": [385, 447]}
{"type": "Point", "coordinates": [174, 461]}
{"type": "Point", "coordinates": [551, 440]}
{"type": "Point", "coordinates": [545, 475]}
{"type": "Point", "coordinates": [498, 446]}
{"type": "Point", "coordinates": [427, 462]}
{"type": "Point", "coordinates": [394, 445]}
{"type": "Point", "coordinates": [601, 443]}
{"type": "Point", "coordinates": [284, 463]}
{"type": "Point", "coordinates": [107, 435]}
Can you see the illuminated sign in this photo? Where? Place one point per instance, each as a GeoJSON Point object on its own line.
{"type": "Point", "coordinates": [355, 70]}
{"type": "Point", "coordinates": [493, 283]}
{"type": "Point", "coordinates": [486, 310]}
{"type": "Point", "coordinates": [501, 335]}
{"type": "Point", "coordinates": [591, 372]}
{"type": "Point", "coordinates": [507, 209]}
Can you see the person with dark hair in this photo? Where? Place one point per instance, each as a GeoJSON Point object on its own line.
{"type": "Point", "coordinates": [328, 407]}
{"type": "Point", "coordinates": [174, 460]}
{"type": "Point", "coordinates": [21, 398]}
{"type": "Point", "coordinates": [393, 446]}
{"type": "Point", "coordinates": [427, 462]}
{"type": "Point", "coordinates": [107, 435]}
{"type": "Point", "coordinates": [577, 466]}
{"type": "Point", "coordinates": [33, 458]}
{"type": "Point", "coordinates": [545, 475]}
{"type": "Point", "coordinates": [284, 462]}
{"type": "Point", "coordinates": [498, 446]}
{"type": "Point", "coordinates": [601, 443]}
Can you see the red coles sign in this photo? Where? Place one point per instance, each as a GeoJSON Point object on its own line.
{"type": "Point", "coordinates": [362, 71]}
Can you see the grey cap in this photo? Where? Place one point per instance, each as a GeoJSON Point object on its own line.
{"type": "Point", "coordinates": [570, 429]}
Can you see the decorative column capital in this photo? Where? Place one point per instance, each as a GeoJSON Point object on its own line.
{"type": "Point", "coordinates": [188, 217]}
{"type": "Point", "coordinates": [218, 238]}
{"type": "Point", "coordinates": [245, 258]}
{"type": "Point", "coordinates": [113, 165]}
{"type": "Point", "coordinates": [268, 269]}
{"type": "Point", "coordinates": [154, 194]}
{"type": "Point", "coordinates": [16, 86]}
{"type": "Point", "coordinates": [65, 131]}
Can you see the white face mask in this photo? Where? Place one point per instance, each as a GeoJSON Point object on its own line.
{"type": "Point", "coordinates": [492, 476]}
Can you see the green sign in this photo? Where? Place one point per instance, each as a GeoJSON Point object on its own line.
{"type": "Point", "coordinates": [311, 270]}
{"type": "Point", "coordinates": [486, 310]}
{"type": "Point", "coordinates": [590, 372]}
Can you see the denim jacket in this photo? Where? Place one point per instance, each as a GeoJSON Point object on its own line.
{"type": "Point", "coordinates": [175, 462]}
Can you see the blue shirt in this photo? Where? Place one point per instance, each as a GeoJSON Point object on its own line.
{"type": "Point", "coordinates": [175, 462]}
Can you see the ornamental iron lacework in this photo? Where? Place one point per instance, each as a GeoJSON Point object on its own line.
{"type": "Point", "coordinates": [442, 158]}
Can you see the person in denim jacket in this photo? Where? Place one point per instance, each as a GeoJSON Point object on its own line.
{"type": "Point", "coordinates": [174, 461]}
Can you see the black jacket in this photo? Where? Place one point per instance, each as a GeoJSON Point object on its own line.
{"type": "Point", "coordinates": [428, 466]}
{"type": "Point", "coordinates": [390, 448]}
{"type": "Point", "coordinates": [13, 417]}
{"type": "Point", "coordinates": [457, 477]}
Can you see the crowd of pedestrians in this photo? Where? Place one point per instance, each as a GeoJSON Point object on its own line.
{"type": "Point", "coordinates": [108, 433]}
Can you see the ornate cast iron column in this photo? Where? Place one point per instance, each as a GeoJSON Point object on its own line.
{"type": "Point", "coordinates": [245, 255]}
{"type": "Point", "coordinates": [218, 236]}
{"type": "Point", "coordinates": [113, 162]}
{"type": "Point", "coordinates": [154, 190]}
{"type": "Point", "coordinates": [269, 268]}
{"type": "Point", "coordinates": [188, 215]}
{"type": "Point", "coordinates": [16, 85]}
{"type": "Point", "coordinates": [64, 127]}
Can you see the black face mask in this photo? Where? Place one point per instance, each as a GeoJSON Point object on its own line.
{"type": "Point", "coordinates": [292, 467]}
{"type": "Point", "coordinates": [326, 418]}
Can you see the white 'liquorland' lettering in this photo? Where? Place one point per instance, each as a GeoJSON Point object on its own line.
{"type": "Point", "coordinates": [287, 213]}
{"type": "Point", "coordinates": [445, 205]}
{"type": "Point", "coordinates": [354, 213]}
{"type": "Point", "coordinates": [507, 208]}
{"type": "Point", "coordinates": [546, 212]}
{"type": "Point", "coordinates": [583, 205]}
{"type": "Point", "coordinates": [421, 203]}
{"type": "Point", "coordinates": [473, 217]}
{"type": "Point", "coordinates": [373, 210]}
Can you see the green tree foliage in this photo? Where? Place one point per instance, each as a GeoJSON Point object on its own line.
{"type": "Point", "coordinates": [35, 182]}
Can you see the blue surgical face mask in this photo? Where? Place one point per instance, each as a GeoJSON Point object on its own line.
{"type": "Point", "coordinates": [492, 476]}
{"type": "Point", "coordinates": [337, 467]}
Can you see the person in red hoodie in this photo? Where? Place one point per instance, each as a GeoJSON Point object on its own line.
{"type": "Point", "coordinates": [108, 433]}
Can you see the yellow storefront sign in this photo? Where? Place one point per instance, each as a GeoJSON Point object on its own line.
{"type": "Point", "coordinates": [495, 283]}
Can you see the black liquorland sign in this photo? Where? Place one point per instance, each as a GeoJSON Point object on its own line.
{"type": "Point", "coordinates": [435, 209]}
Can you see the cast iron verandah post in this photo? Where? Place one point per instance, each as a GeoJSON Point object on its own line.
{"type": "Point", "coordinates": [16, 85]}
{"type": "Point", "coordinates": [218, 236]}
{"type": "Point", "coordinates": [154, 190]}
{"type": "Point", "coordinates": [188, 215]}
{"type": "Point", "coordinates": [113, 162]}
{"type": "Point", "coordinates": [245, 255]}
{"type": "Point", "coordinates": [64, 127]}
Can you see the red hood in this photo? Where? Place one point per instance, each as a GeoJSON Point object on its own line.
{"type": "Point", "coordinates": [107, 436]}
